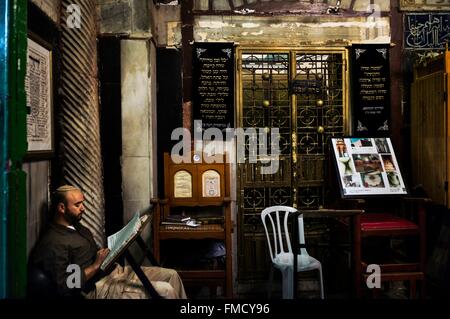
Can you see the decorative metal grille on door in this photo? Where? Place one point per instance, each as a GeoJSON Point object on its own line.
{"type": "Point", "coordinates": [319, 111]}
{"type": "Point", "coordinates": [302, 94]}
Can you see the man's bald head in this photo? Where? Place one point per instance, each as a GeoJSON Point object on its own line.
{"type": "Point", "coordinates": [60, 194]}
{"type": "Point", "coordinates": [67, 204]}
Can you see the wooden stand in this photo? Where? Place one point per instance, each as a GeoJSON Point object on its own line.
{"type": "Point", "coordinates": [195, 187]}
{"type": "Point", "coordinates": [134, 264]}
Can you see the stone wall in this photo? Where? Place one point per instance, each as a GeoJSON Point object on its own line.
{"type": "Point", "coordinates": [292, 30]}
{"type": "Point", "coordinates": [168, 25]}
{"type": "Point", "coordinates": [125, 17]}
{"type": "Point", "coordinates": [281, 28]}
{"type": "Point", "coordinates": [289, 5]}
{"type": "Point", "coordinates": [50, 7]}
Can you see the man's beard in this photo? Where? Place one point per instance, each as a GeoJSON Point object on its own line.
{"type": "Point", "coordinates": [72, 218]}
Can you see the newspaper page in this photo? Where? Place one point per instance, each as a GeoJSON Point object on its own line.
{"type": "Point", "coordinates": [118, 240]}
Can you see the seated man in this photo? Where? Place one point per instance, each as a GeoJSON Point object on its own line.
{"type": "Point", "coordinates": [67, 242]}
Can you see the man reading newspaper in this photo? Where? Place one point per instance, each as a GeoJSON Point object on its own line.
{"type": "Point", "coordinates": [66, 242]}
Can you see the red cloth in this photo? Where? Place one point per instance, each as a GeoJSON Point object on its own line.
{"type": "Point", "coordinates": [379, 221]}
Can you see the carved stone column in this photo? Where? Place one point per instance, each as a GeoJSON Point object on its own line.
{"type": "Point", "coordinates": [80, 149]}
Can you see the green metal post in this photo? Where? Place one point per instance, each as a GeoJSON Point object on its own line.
{"type": "Point", "coordinates": [17, 219]}
{"type": "Point", "coordinates": [4, 51]}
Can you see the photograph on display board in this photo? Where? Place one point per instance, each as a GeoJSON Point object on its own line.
{"type": "Point", "coordinates": [367, 166]}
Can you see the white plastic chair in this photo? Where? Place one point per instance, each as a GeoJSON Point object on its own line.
{"type": "Point", "coordinates": [280, 248]}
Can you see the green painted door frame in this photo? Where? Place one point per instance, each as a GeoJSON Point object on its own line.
{"type": "Point", "coordinates": [17, 214]}
{"type": "Point", "coordinates": [4, 54]}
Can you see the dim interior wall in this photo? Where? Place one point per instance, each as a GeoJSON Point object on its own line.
{"type": "Point", "coordinates": [126, 18]}
{"type": "Point", "coordinates": [50, 7]}
{"type": "Point", "coordinates": [134, 22]}
{"type": "Point", "coordinates": [110, 130]}
{"type": "Point", "coordinates": [37, 199]}
{"type": "Point", "coordinates": [138, 111]}
{"type": "Point", "coordinates": [363, 5]}
{"type": "Point", "coordinates": [168, 25]}
{"type": "Point", "coordinates": [153, 136]}
{"type": "Point", "coordinates": [42, 23]}
{"type": "Point", "coordinates": [169, 109]}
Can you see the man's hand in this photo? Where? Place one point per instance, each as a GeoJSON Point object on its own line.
{"type": "Point", "coordinates": [101, 255]}
{"type": "Point", "coordinates": [91, 270]}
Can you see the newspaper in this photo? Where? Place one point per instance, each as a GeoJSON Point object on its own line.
{"type": "Point", "coordinates": [117, 241]}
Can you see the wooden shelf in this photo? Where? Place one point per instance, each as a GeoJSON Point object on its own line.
{"type": "Point", "coordinates": [186, 232]}
{"type": "Point", "coordinates": [189, 188]}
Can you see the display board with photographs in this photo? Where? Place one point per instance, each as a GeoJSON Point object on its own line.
{"type": "Point", "coordinates": [367, 166]}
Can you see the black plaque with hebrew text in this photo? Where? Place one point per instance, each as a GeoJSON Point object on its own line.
{"type": "Point", "coordinates": [371, 90]}
{"type": "Point", "coordinates": [213, 84]}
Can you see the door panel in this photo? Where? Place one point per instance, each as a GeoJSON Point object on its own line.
{"type": "Point", "coordinates": [319, 114]}
{"type": "Point", "coordinates": [428, 136]}
{"type": "Point", "coordinates": [305, 120]}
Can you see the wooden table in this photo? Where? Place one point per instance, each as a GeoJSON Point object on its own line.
{"type": "Point", "coordinates": [355, 231]}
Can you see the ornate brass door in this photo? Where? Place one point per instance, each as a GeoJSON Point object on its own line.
{"type": "Point", "coordinates": [303, 94]}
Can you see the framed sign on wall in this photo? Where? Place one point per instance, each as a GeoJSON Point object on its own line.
{"type": "Point", "coordinates": [371, 89]}
{"type": "Point", "coordinates": [213, 83]}
{"type": "Point", "coordinates": [39, 97]}
{"type": "Point", "coordinates": [367, 166]}
{"type": "Point", "coordinates": [425, 31]}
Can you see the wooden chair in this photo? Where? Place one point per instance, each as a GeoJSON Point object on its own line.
{"type": "Point", "coordinates": [403, 220]}
{"type": "Point", "coordinates": [386, 221]}
{"type": "Point", "coordinates": [370, 180]}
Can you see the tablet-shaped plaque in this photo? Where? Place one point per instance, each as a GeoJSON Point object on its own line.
{"type": "Point", "coordinates": [182, 184]}
{"type": "Point", "coordinates": [210, 184]}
